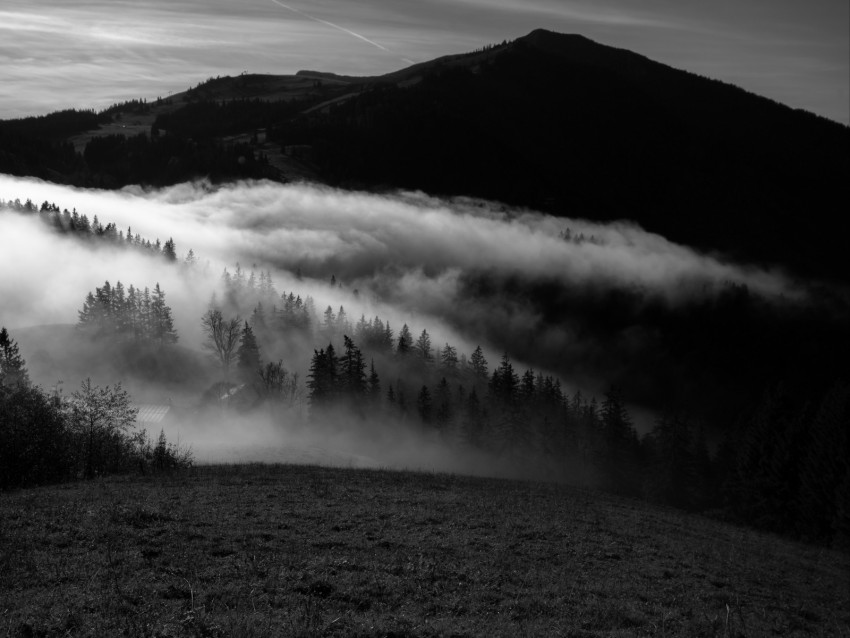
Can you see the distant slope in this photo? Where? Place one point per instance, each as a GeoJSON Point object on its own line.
{"type": "Point", "coordinates": [560, 123]}
{"type": "Point", "coordinates": [549, 121]}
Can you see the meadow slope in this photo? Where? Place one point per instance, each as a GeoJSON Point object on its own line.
{"type": "Point", "coordinates": [309, 551]}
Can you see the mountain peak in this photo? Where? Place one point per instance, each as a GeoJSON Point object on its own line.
{"type": "Point", "coordinates": [556, 42]}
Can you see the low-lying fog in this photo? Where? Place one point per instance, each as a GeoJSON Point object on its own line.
{"type": "Point", "coordinates": [407, 258]}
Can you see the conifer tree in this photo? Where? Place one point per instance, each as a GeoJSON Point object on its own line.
{"type": "Point", "coordinates": [405, 341]}
{"type": "Point", "coordinates": [362, 330]}
{"type": "Point", "coordinates": [118, 303]}
{"type": "Point", "coordinates": [352, 371]}
{"type": "Point", "coordinates": [13, 369]}
{"type": "Point", "coordinates": [145, 315]}
{"type": "Point", "coordinates": [504, 382]}
{"type": "Point", "coordinates": [258, 319]}
{"type": "Point", "coordinates": [169, 251]}
{"type": "Point", "coordinates": [527, 387]}
{"type": "Point", "coordinates": [322, 379]}
{"type": "Point", "coordinates": [424, 404]}
{"type": "Point", "coordinates": [443, 402]}
{"type": "Point", "coordinates": [342, 324]}
{"type": "Point", "coordinates": [329, 324]}
{"type": "Point", "coordinates": [131, 312]}
{"type": "Point", "coordinates": [88, 317]}
{"type": "Point", "coordinates": [374, 385]}
{"type": "Point", "coordinates": [448, 358]}
{"type": "Point", "coordinates": [161, 322]}
{"type": "Point", "coordinates": [423, 347]}
{"type": "Point", "coordinates": [510, 433]}
{"type": "Point", "coordinates": [386, 343]}
{"type": "Point", "coordinates": [479, 364]}
{"type": "Point", "coordinates": [248, 354]}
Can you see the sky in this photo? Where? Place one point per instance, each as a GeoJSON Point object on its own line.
{"type": "Point", "coordinates": [89, 54]}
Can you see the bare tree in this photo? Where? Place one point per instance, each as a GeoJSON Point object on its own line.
{"type": "Point", "coordinates": [102, 418]}
{"type": "Point", "coordinates": [222, 337]}
{"type": "Point", "coordinates": [279, 385]}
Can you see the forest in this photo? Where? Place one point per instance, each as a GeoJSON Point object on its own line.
{"type": "Point", "coordinates": [38, 146]}
{"type": "Point", "coordinates": [780, 463]}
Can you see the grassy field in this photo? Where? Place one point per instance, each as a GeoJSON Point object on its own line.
{"type": "Point", "coordinates": [308, 551]}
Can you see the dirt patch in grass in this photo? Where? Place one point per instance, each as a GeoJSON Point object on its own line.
{"type": "Point", "coordinates": [307, 551]}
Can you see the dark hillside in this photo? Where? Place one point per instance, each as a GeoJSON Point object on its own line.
{"type": "Point", "coordinates": [566, 125]}
{"type": "Point", "coordinates": [553, 122]}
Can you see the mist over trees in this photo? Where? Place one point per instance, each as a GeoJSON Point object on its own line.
{"type": "Point", "coordinates": [136, 315]}
{"type": "Point", "coordinates": [781, 466]}
{"type": "Point", "coordinates": [363, 374]}
{"type": "Point", "coordinates": [46, 437]}
{"type": "Point", "coordinates": [74, 224]}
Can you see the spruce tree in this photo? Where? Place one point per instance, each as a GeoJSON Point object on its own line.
{"type": "Point", "coordinates": [352, 371]}
{"type": "Point", "coordinates": [405, 341]}
{"type": "Point", "coordinates": [13, 369]}
{"type": "Point", "coordinates": [387, 338]}
{"type": "Point", "coordinates": [161, 321]}
{"type": "Point", "coordinates": [329, 324]}
{"type": "Point", "coordinates": [443, 402]}
{"type": "Point", "coordinates": [322, 380]}
{"type": "Point", "coordinates": [374, 385]}
{"type": "Point", "coordinates": [423, 346]}
{"type": "Point", "coordinates": [479, 364]}
{"type": "Point", "coordinates": [169, 251]}
{"type": "Point", "coordinates": [248, 354]}
{"type": "Point", "coordinates": [448, 358]}
{"type": "Point", "coordinates": [424, 404]}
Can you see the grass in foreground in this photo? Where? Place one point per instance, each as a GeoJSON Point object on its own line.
{"type": "Point", "coordinates": [306, 551]}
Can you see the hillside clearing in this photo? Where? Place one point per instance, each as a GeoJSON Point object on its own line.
{"type": "Point", "coordinates": [295, 550]}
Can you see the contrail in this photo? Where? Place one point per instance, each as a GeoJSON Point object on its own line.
{"type": "Point", "coordinates": [331, 24]}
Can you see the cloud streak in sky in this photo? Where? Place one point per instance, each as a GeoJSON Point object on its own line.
{"type": "Point", "coordinates": [332, 25]}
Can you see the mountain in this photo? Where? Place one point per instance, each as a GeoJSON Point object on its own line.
{"type": "Point", "coordinates": [549, 121]}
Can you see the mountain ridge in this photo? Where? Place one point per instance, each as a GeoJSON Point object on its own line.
{"type": "Point", "coordinates": [554, 122]}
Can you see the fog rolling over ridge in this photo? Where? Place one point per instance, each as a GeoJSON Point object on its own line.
{"type": "Point", "coordinates": [465, 270]}
{"type": "Point", "coordinates": [424, 243]}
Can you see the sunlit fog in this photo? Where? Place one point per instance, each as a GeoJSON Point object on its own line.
{"type": "Point", "coordinates": [453, 268]}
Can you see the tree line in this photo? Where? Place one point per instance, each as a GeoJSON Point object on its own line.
{"type": "Point", "coordinates": [39, 146]}
{"type": "Point", "coordinates": [783, 467]}
{"type": "Point", "coordinates": [47, 438]}
{"type": "Point", "coordinates": [78, 225]}
{"type": "Point", "coordinates": [137, 315]}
